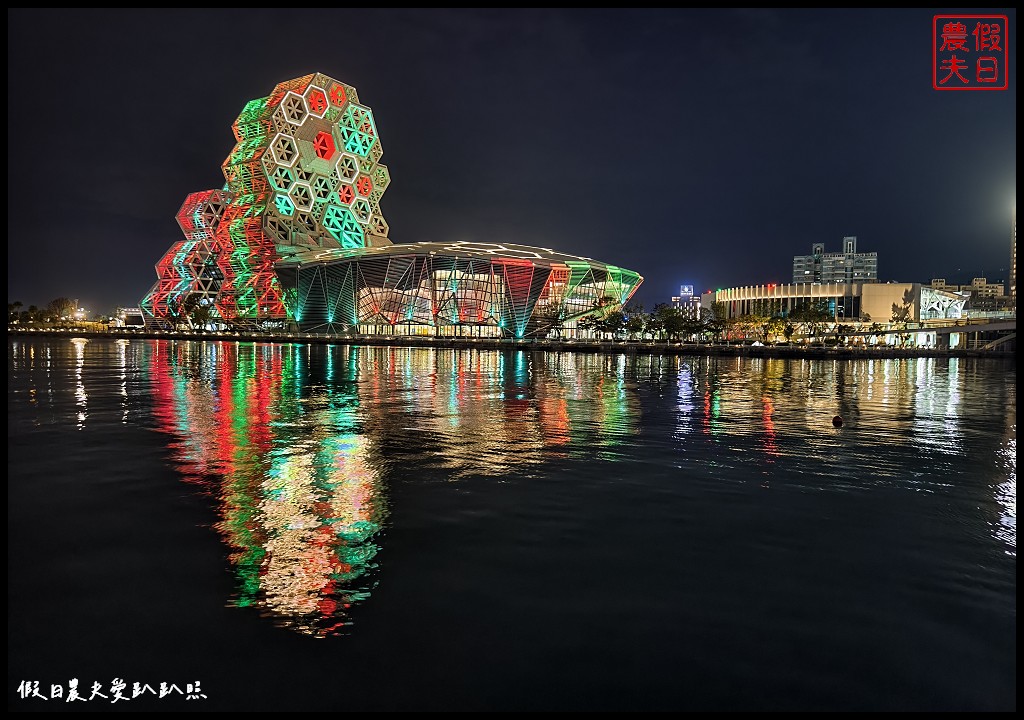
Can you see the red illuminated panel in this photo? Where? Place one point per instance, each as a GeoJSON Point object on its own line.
{"type": "Point", "coordinates": [557, 281]}
{"type": "Point", "coordinates": [317, 102]}
{"type": "Point", "coordinates": [323, 145]}
{"type": "Point", "coordinates": [337, 93]}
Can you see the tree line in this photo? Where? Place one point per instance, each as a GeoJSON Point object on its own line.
{"type": "Point", "coordinates": [189, 310]}
{"type": "Point", "coordinates": [767, 321]}
{"type": "Point", "coordinates": [57, 310]}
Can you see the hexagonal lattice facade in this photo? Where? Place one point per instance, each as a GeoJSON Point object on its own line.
{"type": "Point", "coordinates": [297, 233]}
{"type": "Point", "coordinates": [305, 173]}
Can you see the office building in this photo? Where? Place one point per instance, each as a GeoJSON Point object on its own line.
{"type": "Point", "coordinates": [847, 266]}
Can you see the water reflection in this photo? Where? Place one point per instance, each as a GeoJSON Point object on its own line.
{"type": "Point", "coordinates": [283, 451]}
{"type": "Point", "coordinates": [720, 397]}
{"type": "Point", "coordinates": [122, 367]}
{"type": "Point", "coordinates": [81, 396]}
{"type": "Point", "coordinates": [1006, 489]}
{"type": "Point", "coordinates": [298, 445]}
{"type": "Point", "coordinates": [294, 442]}
{"type": "Point", "coordinates": [472, 414]}
{"type": "Point", "coordinates": [907, 423]}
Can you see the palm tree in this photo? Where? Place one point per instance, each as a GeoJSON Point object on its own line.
{"type": "Point", "coordinates": [902, 314]}
{"type": "Point", "coordinates": [877, 331]}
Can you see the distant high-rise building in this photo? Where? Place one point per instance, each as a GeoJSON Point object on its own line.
{"type": "Point", "coordinates": [1013, 258]}
{"type": "Point", "coordinates": [979, 287]}
{"type": "Point", "coordinates": [982, 288]}
{"type": "Point", "coordinates": [686, 301]}
{"type": "Point", "coordinates": [841, 267]}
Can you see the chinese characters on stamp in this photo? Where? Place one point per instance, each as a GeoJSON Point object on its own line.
{"type": "Point", "coordinates": [969, 52]}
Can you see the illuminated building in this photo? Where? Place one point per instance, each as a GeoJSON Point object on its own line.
{"type": "Point", "coordinates": [296, 237]}
{"type": "Point", "coordinates": [1013, 259]}
{"type": "Point", "coordinates": [847, 266]}
{"type": "Point", "coordinates": [687, 301]}
{"type": "Point", "coordinates": [982, 288]}
{"type": "Point", "coordinates": [978, 287]}
{"type": "Point", "coordinates": [841, 301]}
{"type": "Point", "coordinates": [480, 289]}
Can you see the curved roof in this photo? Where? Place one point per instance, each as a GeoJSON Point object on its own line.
{"type": "Point", "coordinates": [462, 249]}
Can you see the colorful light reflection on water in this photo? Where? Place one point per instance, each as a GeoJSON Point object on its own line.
{"type": "Point", "coordinates": [300, 501]}
{"type": "Point", "coordinates": [289, 441]}
{"type": "Point", "coordinates": [297, 446]}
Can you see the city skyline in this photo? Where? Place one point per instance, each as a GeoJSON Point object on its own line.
{"type": "Point", "coordinates": [711, 161]}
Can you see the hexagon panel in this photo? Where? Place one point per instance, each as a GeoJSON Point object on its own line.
{"type": "Point", "coordinates": [303, 155]}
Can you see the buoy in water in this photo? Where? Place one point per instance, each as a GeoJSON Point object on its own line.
{"type": "Point", "coordinates": [837, 421]}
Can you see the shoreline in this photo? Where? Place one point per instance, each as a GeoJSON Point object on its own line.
{"type": "Point", "coordinates": [626, 347]}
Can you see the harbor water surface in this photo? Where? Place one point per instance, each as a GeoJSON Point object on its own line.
{"type": "Point", "coordinates": [384, 528]}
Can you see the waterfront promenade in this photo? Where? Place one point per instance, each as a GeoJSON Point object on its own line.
{"type": "Point", "coordinates": [792, 350]}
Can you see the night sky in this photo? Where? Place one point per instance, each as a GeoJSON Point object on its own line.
{"type": "Point", "coordinates": [697, 147]}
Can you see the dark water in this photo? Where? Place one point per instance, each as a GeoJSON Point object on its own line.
{"type": "Point", "coordinates": [333, 528]}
